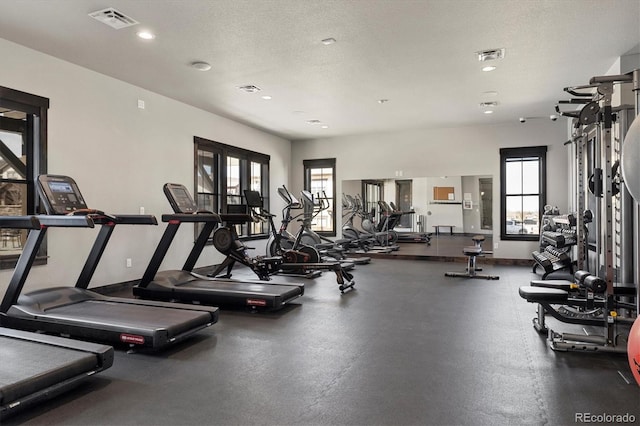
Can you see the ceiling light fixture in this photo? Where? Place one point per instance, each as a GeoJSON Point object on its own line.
{"type": "Point", "coordinates": [201, 65]}
{"type": "Point", "coordinates": [325, 126]}
{"type": "Point", "coordinates": [489, 111]}
{"type": "Point", "coordinates": [266, 97]}
{"type": "Point", "coordinates": [492, 104]}
{"type": "Point", "coordinates": [328, 41]}
{"type": "Point", "coordinates": [313, 122]}
{"type": "Point", "coordinates": [491, 54]}
{"type": "Point", "coordinates": [145, 35]}
{"type": "Point", "coordinates": [488, 68]}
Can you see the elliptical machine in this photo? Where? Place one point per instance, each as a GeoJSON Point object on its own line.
{"type": "Point", "coordinates": [297, 259]}
{"type": "Point", "coordinates": [282, 241]}
{"type": "Point", "coordinates": [306, 238]}
{"type": "Point", "coordinates": [313, 206]}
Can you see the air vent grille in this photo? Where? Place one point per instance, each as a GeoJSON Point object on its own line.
{"type": "Point", "coordinates": [249, 88]}
{"type": "Point", "coordinates": [113, 18]}
{"type": "Point", "coordinates": [491, 54]}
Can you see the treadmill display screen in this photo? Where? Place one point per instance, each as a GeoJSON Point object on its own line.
{"type": "Point", "coordinates": [179, 198]}
{"type": "Point", "coordinates": [63, 196]}
{"type": "Point", "coordinates": [60, 187]}
{"type": "Point", "coordinates": [63, 192]}
{"type": "Point", "coordinates": [182, 198]}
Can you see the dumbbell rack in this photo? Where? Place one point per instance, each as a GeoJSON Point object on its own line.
{"type": "Point", "coordinates": [555, 246]}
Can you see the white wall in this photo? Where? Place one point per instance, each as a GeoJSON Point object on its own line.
{"type": "Point", "coordinates": [459, 151]}
{"type": "Point", "coordinates": [121, 156]}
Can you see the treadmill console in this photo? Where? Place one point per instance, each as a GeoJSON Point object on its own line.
{"type": "Point", "coordinates": [179, 198]}
{"type": "Point", "coordinates": [60, 194]}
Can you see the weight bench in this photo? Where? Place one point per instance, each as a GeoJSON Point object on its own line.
{"type": "Point", "coordinates": [562, 292]}
{"type": "Point", "coordinates": [472, 253]}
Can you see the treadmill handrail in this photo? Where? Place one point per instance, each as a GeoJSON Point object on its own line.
{"type": "Point", "coordinates": [19, 222]}
{"type": "Point", "coordinates": [128, 219]}
{"type": "Point", "coordinates": [191, 217]}
{"type": "Point", "coordinates": [57, 221]}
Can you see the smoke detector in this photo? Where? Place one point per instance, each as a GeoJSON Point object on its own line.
{"type": "Point", "coordinates": [113, 18]}
{"type": "Point", "coordinates": [491, 54]}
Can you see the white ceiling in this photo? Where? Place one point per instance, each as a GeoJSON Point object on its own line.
{"type": "Point", "coordinates": [420, 55]}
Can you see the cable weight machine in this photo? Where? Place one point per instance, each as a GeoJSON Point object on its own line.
{"type": "Point", "coordinates": [610, 248]}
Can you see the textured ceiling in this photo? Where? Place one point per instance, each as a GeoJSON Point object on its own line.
{"type": "Point", "coordinates": [420, 55]}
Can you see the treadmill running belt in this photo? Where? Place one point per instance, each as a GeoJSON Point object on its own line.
{"type": "Point", "coordinates": [241, 287]}
{"type": "Point", "coordinates": [116, 315]}
{"type": "Point", "coordinates": [27, 367]}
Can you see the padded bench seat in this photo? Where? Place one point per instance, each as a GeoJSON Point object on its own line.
{"type": "Point", "coordinates": [564, 285]}
{"type": "Point", "coordinates": [543, 295]}
{"type": "Point", "coordinates": [472, 251]}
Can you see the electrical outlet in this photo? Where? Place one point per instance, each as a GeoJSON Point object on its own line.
{"type": "Point", "coordinates": [141, 210]}
{"type": "Point", "coordinates": [495, 246]}
{"type": "Point", "coordinates": [128, 262]}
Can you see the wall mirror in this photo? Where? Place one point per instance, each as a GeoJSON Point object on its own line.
{"type": "Point", "coordinates": [453, 208]}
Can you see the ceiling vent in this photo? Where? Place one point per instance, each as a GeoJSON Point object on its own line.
{"type": "Point", "coordinates": [113, 18]}
{"type": "Point", "coordinates": [490, 55]}
{"type": "Point", "coordinates": [249, 88]}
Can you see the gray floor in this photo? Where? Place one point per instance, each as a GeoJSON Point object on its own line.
{"type": "Point", "coordinates": [408, 347]}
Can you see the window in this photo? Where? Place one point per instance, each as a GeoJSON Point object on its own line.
{"type": "Point", "coordinates": [319, 179]}
{"type": "Point", "coordinates": [23, 156]}
{"type": "Point", "coordinates": [222, 173]}
{"type": "Point", "coordinates": [522, 191]}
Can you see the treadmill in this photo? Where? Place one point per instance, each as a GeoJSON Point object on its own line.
{"type": "Point", "coordinates": [81, 313]}
{"type": "Point", "coordinates": [187, 286]}
{"type": "Point", "coordinates": [36, 367]}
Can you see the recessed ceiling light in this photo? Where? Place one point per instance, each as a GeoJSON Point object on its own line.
{"type": "Point", "coordinates": [325, 126]}
{"type": "Point", "coordinates": [489, 111]}
{"type": "Point", "coordinates": [313, 122]}
{"type": "Point", "coordinates": [145, 35]}
{"type": "Point", "coordinates": [491, 54]}
{"type": "Point", "coordinates": [490, 93]}
{"type": "Point", "coordinates": [488, 68]}
{"type": "Point", "coordinates": [266, 97]}
{"type": "Point", "coordinates": [488, 104]}
{"type": "Point", "coordinates": [328, 41]}
{"type": "Point", "coordinates": [201, 66]}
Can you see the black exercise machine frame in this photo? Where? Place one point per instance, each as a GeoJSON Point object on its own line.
{"type": "Point", "coordinates": [30, 314]}
{"type": "Point", "coordinates": [36, 387]}
{"type": "Point", "coordinates": [344, 279]}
